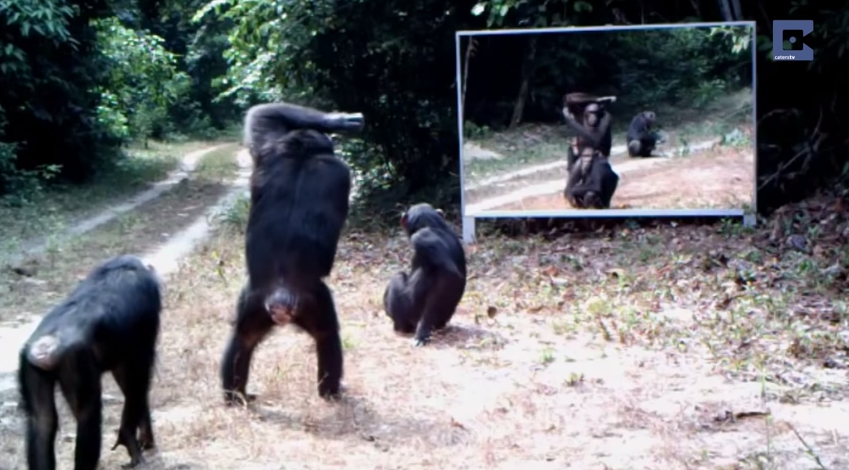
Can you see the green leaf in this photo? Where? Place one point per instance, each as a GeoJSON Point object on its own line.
{"type": "Point", "coordinates": [479, 8]}
{"type": "Point", "coordinates": [583, 7]}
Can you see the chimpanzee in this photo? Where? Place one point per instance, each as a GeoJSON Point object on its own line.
{"type": "Point", "coordinates": [596, 189]}
{"type": "Point", "coordinates": [426, 299]}
{"type": "Point", "coordinates": [587, 115]}
{"type": "Point", "coordinates": [299, 203]}
{"type": "Point", "coordinates": [589, 184]}
{"type": "Point", "coordinates": [641, 137]}
{"type": "Point", "coordinates": [110, 322]}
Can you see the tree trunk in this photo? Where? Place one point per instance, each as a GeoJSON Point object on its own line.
{"type": "Point", "coordinates": [527, 72]}
{"type": "Point", "coordinates": [469, 51]}
{"type": "Point", "coordinates": [736, 10]}
{"type": "Point", "coordinates": [725, 8]}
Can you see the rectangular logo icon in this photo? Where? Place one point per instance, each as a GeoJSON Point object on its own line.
{"type": "Point", "coordinates": [788, 40]}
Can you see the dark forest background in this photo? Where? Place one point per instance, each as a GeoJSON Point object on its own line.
{"type": "Point", "coordinates": [515, 79]}
{"type": "Point", "coordinates": [98, 75]}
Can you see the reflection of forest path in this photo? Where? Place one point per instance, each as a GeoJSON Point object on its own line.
{"type": "Point", "coordinates": [537, 180]}
{"type": "Point", "coordinates": [719, 179]}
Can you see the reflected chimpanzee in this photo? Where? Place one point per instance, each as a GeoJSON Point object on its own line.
{"type": "Point", "coordinates": [591, 181]}
{"type": "Point", "coordinates": [299, 203]}
{"type": "Point", "coordinates": [597, 187]}
{"type": "Point", "coordinates": [426, 299]}
{"type": "Point", "coordinates": [587, 115]}
{"type": "Point", "coordinates": [642, 138]}
{"type": "Point", "coordinates": [110, 322]}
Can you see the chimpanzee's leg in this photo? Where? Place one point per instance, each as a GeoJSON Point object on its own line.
{"type": "Point", "coordinates": [609, 183]}
{"type": "Point", "coordinates": [398, 304]}
{"type": "Point", "coordinates": [572, 186]}
{"type": "Point", "coordinates": [38, 390]}
{"type": "Point", "coordinates": [320, 320]}
{"type": "Point", "coordinates": [572, 155]}
{"type": "Point", "coordinates": [437, 297]}
{"type": "Point", "coordinates": [253, 323]}
{"type": "Point", "coordinates": [79, 379]}
{"type": "Point", "coordinates": [134, 379]}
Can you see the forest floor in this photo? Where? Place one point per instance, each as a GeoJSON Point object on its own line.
{"type": "Point", "coordinates": [515, 170]}
{"type": "Point", "coordinates": [688, 347]}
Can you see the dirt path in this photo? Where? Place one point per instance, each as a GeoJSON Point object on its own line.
{"type": "Point", "coordinates": [166, 228]}
{"type": "Point", "coordinates": [721, 178]}
{"type": "Point", "coordinates": [186, 167]}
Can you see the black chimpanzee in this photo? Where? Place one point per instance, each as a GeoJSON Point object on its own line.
{"type": "Point", "coordinates": [426, 299]}
{"type": "Point", "coordinates": [641, 137]}
{"type": "Point", "coordinates": [587, 115]}
{"type": "Point", "coordinates": [110, 322]}
{"type": "Point", "coordinates": [596, 189]}
{"type": "Point", "coordinates": [299, 203]}
{"type": "Point", "coordinates": [590, 182]}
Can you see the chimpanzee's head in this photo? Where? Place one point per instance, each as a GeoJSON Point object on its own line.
{"type": "Point", "coordinates": [592, 114]}
{"type": "Point", "coordinates": [420, 216]}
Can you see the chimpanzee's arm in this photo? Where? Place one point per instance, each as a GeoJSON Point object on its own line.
{"type": "Point", "coordinates": [279, 118]}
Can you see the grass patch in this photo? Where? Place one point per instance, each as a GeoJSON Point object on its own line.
{"type": "Point", "coordinates": [51, 211]}
{"type": "Point", "coordinates": [41, 280]}
{"type": "Point", "coordinates": [219, 164]}
{"type": "Point", "coordinates": [526, 145]}
{"type": "Point", "coordinates": [51, 275]}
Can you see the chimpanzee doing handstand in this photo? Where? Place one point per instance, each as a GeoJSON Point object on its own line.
{"type": "Point", "coordinates": [299, 203]}
{"type": "Point", "coordinates": [641, 137]}
{"type": "Point", "coordinates": [110, 322]}
{"type": "Point", "coordinates": [591, 181]}
{"type": "Point", "coordinates": [425, 300]}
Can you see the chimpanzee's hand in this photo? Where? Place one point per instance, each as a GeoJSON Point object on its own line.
{"type": "Point", "coordinates": [345, 122]}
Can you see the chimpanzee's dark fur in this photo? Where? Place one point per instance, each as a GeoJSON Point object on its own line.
{"type": "Point", "coordinates": [299, 204]}
{"type": "Point", "coordinates": [642, 139]}
{"type": "Point", "coordinates": [110, 322]}
{"type": "Point", "coordinates": [426, 298]}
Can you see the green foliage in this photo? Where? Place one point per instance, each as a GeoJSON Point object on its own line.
{"type": "Point", "coordinates": [81, 79]}
{"type": "Point", "coordinates": [142, 82]}
{"type": "Point", "coordinates": [643, 68]}
{"type": "Point", "coordinates": [398, 71]}
{"type": "Point", "coordinates": [49, 71]}
{"type": "Point", "coordinates": [475, 132]}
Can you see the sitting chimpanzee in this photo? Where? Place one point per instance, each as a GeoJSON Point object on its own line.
{"type": "Point", "coordinates": [641, 136]}
{"type": "Point", "coordinates": [299, 203]}
{"type": "Point", "coordinates": [425, 300]}
{"type": "Point", "coordinates": [591, 182]}
{"type": "Point", "coordinates": [110, 322]}
{"type": "Point", "coordinates": [596, 189]}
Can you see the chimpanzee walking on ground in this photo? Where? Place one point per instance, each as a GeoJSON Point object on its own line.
{"type": "Point", "coordinates": [427, 298]}
{"type": "Point", "coordinates": [299, 204]}
{"type": "Point", "coordinates": [110, 322]}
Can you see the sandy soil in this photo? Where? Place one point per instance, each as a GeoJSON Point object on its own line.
{"type": "Point", "coordinates": [545, 364]}
{"type": "Point", "coordinates": [721, 178]}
